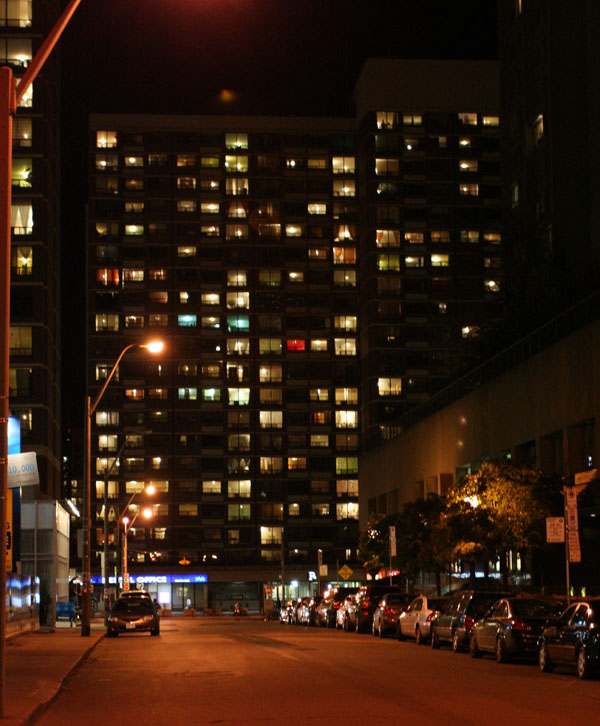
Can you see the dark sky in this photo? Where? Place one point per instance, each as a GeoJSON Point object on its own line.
{"type": "Point", "coordinates": [299, 57]}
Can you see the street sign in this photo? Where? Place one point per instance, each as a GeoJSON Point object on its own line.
{"type": "Point", "coordinates": [126, 582]}
{"type": "Point", "coordinates": [392, 541]}
{"type": "Point", "coordinates": [345, 572]}
{"type": "Point", "coordinates": [311, 576]}
{"type": "Point", "coordinates": [555, 529]}
{"type": "Point", "coordinates": [574, 547]}
{"type": "Point", "coordinates": [22, 470]}
{"type": "Point", "coordinates": [323, 571]}
{"type": "Point", "coordinates": [584, 477]}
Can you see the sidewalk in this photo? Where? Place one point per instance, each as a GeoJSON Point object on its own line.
{"type": "Point", "coordinates": [37, 663]}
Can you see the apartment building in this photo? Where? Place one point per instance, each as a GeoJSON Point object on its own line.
{"type": "Point", "coordinates": [34, 382]}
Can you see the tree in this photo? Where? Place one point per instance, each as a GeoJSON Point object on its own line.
{"type": "Point", "coordinates": [374, 543]}
{"type": "Point", "coordinates": [499, 508]}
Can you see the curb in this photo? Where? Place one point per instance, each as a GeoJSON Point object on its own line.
{"type": "Point", "coordinates": [43, 707]}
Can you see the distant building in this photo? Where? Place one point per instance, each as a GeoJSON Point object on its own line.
{"type": "Point", "coordinates": [300, 270]}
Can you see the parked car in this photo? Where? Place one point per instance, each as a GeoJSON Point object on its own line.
{"type": "Point", "coordinates": [297, 608]}
{"type": "Point", "coordinates": [415, 621]}
{"type": "Point", "coordinates": [307, 613]}
{"type": "Point", "coordinates": [330, 604]}
{"type": "Point", "coordinates": [133, 615]}
{"type": "Point", "coordinates": [453, 625]}
{"type": "Point", "coordinates": [572, 639]}
{"type": "Point", "coordinates": [359, 614]}
{"type": "Point", "coordinates": [142, 594]}
{"type": "Point", "coordinates": [285, 614]}
{"type": "Point", "coordinates": [340, 616]}
{"type": "Point", "coordinates": [385, 617]}
{"type": "Point", "coordinates": [511, 627]}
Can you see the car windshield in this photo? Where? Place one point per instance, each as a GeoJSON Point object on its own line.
{"type": "Point", "coordinates": [133, 605]}
{"type": "Point", "coordinates": [479, 605]}
{"type": "Point", "coordinates": [533, 609]}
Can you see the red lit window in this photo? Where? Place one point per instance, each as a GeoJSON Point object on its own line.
{"type": "Point", "coordinates": [108, 277]}
{"type": "Point", "coordinates": [296, 344]}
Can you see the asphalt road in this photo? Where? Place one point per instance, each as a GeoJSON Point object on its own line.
{"type": "Point", "coordinates": [243, 671]}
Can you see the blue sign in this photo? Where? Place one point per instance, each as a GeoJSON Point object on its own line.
{"type": "Point", "coordinates": [14, 436]}
{"type": "Point", "coordinates": [153, 579]}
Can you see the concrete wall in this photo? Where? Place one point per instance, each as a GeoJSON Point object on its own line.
{"type": "Point", "coordinates": [551, 394]}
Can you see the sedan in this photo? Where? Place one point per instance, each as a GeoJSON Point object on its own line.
{"type": "Point", "coordinates": [572, 639]}
{"type": "Point", "coordinates": [340, 615]}
{"type": "Point", "coordinates": [415, 621]}
{"type": "Point", "coordinates": [511, 627]}
{"type": "Point", "coordinates": [388, 610]}
{"type": "Point", "coordinates": [133, 615]}
{"type": "Point", "coordinates": [307, 613]}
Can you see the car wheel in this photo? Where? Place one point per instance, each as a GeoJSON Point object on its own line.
{"type": "Point", "coordinates": [474, 651]}
{"type": "Point", "coordinates": [456, 647]}
{"type": "Point", "coordinates": [544, 661]}
{"type": "Point", "coordinates": [435, 641]}
{"type": "Point", "coordinates": [111, 633]}
{"type": "Point", "coordinates": [156, 631]}
{"type": "Point", "coordinates": [346, 624]}
{"type": "Point", "coordinates": [380, 630]}
{"type": "Point", "coordinates": [373, 629]}
{"type": "Point", "coordinates": [356, 625]}
{"type": "Point", "coordinates": [584, 668]}
{"type": "Point", "coordinates": [418, 636]}
{"type": "Point", "coordinates": [501, 654]}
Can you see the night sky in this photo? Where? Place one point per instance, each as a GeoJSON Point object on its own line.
{"type": "Point", "coordinates": [281, 57]}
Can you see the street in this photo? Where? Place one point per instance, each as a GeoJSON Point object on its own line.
{"type": "Point", "coordinates": [244, 671]}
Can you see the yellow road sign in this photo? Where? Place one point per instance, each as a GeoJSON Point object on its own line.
{"type": "Point", "coordinates": [345, 572]}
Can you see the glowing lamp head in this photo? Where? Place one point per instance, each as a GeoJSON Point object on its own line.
{"type": "Point", "coordinates": [150, 489]}
{"type": "Point", "coordinates": [125, 520]}
{"type": "Point", "coordinates": [155, 346]}
{"type": "Point", "coordinates": [147, 513]}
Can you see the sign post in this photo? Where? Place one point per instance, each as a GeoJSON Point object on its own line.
{"type": "Point", "coordinates": [392, 548]}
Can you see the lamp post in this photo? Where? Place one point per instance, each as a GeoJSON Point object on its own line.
{"type": "Point", "coordinates": [107, 474]}
{"type": "Point", "coordinates": [123, 516]}
{"type": "Point", "coordinates": [127, 525]}
{"type": "Point", "coordinates": [10, 95]}
{"type": "Point", "coordinates": [153, 347]}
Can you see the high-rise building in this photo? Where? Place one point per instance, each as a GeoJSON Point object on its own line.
{"type": "Point", "coordinates": [233, 240]}
{"type": "Point", "coordinates": [34, 383]}
{"type": "Point", "coordinates": [551, 152]}
{"type": "Point", "coordinates": [430, 233]}
{"type": "Point", "coordinates": [236, 240]}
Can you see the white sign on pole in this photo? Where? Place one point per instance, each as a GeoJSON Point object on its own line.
{"type": "Point", "coordinates": [574, 547]}
{"type": "Point", "coordinates": [571, 498]}
{"type": "Point", "coordinates": [22, 470]}
{"type": "Point", "coordinates": [555, 529]}
{"type": "Point", "coordinates": [392, 541]}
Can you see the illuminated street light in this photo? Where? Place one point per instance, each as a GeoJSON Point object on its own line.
{"type": "Point", "coordinates": [155, 346]}
{"type": "Point", "coordinates": [10, 96]}
{"type": "Point", "coordinates": [127, 525]}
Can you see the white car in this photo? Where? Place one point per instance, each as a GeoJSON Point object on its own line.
{"type": "Point", "coordinates": [415, 621]}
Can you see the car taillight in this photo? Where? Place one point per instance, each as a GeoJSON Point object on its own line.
{"type": "Point", "coordinates": [431, 616]}
{"type": "Point", "coordinates": [468, 621]}
{"type": "Point", "coordinates": [388, 610]}
{"type": "Point", "coordinates": [519, 625]}
{"type": "Point", "coordinates": [335, 605]}
{"type": "Point", "coordinates": [365, 605]}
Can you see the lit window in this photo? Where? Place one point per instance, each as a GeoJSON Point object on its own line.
{"type": "Point", "coordinates": [236, 186]}
{"type": "Point", "coordinates": [160, 394]}
{"type": "Point", "coordinates": [238, 346]}
{"type": "Point", "coordinates": [346, 465]}
{"type": "Point", "coordinates": [270, 373]}
{"type": "Point", "coordinates": [187, 394]}
{"type": "Point", "coordinates": [344, 278]}
{"type": "Point", "coordinates": [188, 510]}
{"type": "Point", "coordinates": [187, 321]}
{"type": "Point", "coordinates": [438, 260]}
{"type": "Point", "coordinates": [269, 346]}
{"type": "Point", "coordinates": [22, 261]}
{"type": "Point", "coordinates": [22, 131]}
{"type": "Point", "coordinates": [490, 120]}
{"type": "Point", "coordinates": [388, 262]}
{"type": "Point", "coordinates": [21, 219]}
{"type": "Point", "coordinates": [318, 345]}
{"type": "Point", "coordinates": [317, 208]}
{"type": "Point", "coordinates": [236, 141]}
{"type": "Point", "coordinates": [347, 510]}
{"type": "Point", "coordinates": [186, 251]}
{"type": "Point", "coordinates": [344, 188]}
{"type": "Point", "coordinates": [470, 331]}
{"type": "Point", "coordinates": [319, 394]}
{"type": "Point", "coordinates": [514, 194]}
{"type": "Point", "coordinates": [207, 162]}
{"type": "Point", "coordinates": [468, 119]}
{"type": "Point", "coordinates": [343, 165]}
{"type": "Point", "coordinates": [319, 441]}
{"type": "Point", "coordinates": [270, 535]}
{"type": "Point", "coordinates": [319, 164]}
{"type": "Point", "coordinates": [209, 207]}
{"type": "Point", "coordinates": [134, 161]}
{"type": "Point", "coordinates": [239, 488]}
{"type": "Point", "coordinates": [296, 345]}
{"type": "Point", "coordinates": [387, 167]}
{"type": "Point", "coordinates": [347, 487]}
{"type": "Point", "coordinates": [344, 255]}
{"type": "Point", "coordinates": [269, 230]}
{"type": "Point", "coordinates": [237, 210]}
{"type": "Point", "coordinates": [296, 463]}
{"type": "Point", "coordinates": [492, 285]}
{"type": "Point", "coordinates": [388, 238]}
{"type": "Point", "coordinates": [134, 394]}
{"type": "Point", "coordinates": [296, 276]}
{"type": "Point", "coordinates": [26, 102]}
{"type": "Point", "coordinates": [346, 396]}
{"type": "Point", "coordinates": [440, 237]}
{"type": "Point", "coordinates": [345, 322]}
{"type": "Point", "coordinates": [134, 230]}
{"type": "Point", "coordinates": [269, 278]}
{"type": "Point", "coordinates": [389, 386]}
{"type": "Point", "coordinates": [270, 419]}
{"type": "Point", "coordinates": [107, 321]}
{"type": "Point", "coordinates": [271, 464]}
{"type": "Point", "coordinates": [238, 300]}
{"type": "Point", "coordinates": [157, 320]}
{"type": "Point", "coordinates": [134, 321]}
{"type": "Point", "coordinates": [186, 182]}
{"type": "Point", "coordinates": [411, 144]}
{"type": "Point", "coordinates": [294, 509]}
{"type": "Point", "coordinates": [387, 120]}
{"type": "Point", "coordinates": [236, 278]}
{"type": "Point", "coordinates": [238, 323]}
{"type": "Point", "coordinates": [238, 512]}
{"type": "Point", "coordinates": [538, 128]}
{"type": "Point", "coordinates": [468, 190]}
{"type": "Point", "coordinates": [317, 253]}
{"type": "Point", "coordinates": [106, 139]}
{"type": "Point", "coordinates": [346, 419]}
{"type": "Point", "coordinates": [464, 142]}
{"type": "Point", "coordinates": [345, 346]}
{"type": "Point", "coordinates": [210, 321]}
{"type": "Point", "coordinates": [133, 275]}
{"type": "Point", "coordinates": [186, 205]}
{"type": "Point", "coordinates": [184, 160]}
{"type": "Point", "coordinates": [236, 231]}
{"type": "Point", "coordinates": [294, 230]}
{"type": "Point", "coordinates": [238, 396]}
{"type": "Point", "coordinates": [412, 119]}
{"type": "Point", "coordinates": [210, 298]}
{"type": "Point", "coordinates": [236, 163]}
{"type": "Point", "coordinates": [468, 165]}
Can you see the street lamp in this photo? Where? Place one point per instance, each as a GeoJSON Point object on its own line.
{"type": "Point", "coordinates": [150, 489]}
{"type": "Point", "coordinates": [154, 347]}
{"type": "Point", "coordinates": [127, 525]}
{"type": "Point", "coordinates": [10, 95]}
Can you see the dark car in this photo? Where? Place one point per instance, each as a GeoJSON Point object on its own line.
{"type": "Point", "coordinates": [572, 639]}
{"type": "Point", "coordinates": [359, 614]}
{"type": "Point", "coordinates": [330, 604]}
{"type": "Point", "coordinates": [454, 623]}
{"type": "Point", "coordinates": [133, 615]}
{"type": "Point", "coordinates": [388, 611]}
{"type": "Point", "coordinates": [511, 627]}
